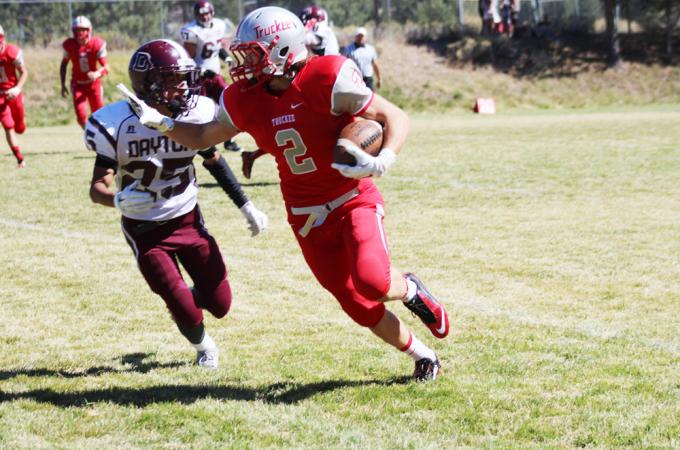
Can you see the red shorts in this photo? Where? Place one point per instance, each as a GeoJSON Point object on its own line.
{"type": "Point", "coordinates": [160, 246]}
{"type": "Point", "coordinates": [348, 254]}
{"type": "Point", "coordinates": [12, 113]}
{"type": "Point", "coordinates": [84, 94]}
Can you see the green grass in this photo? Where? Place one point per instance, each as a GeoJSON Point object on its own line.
{"type": "Point", "coordinates": [552, 238]}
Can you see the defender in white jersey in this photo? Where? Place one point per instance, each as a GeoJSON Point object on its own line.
{"type": "Point", "coordinates": [157, 194]}
{"type": "Point", "coordinates": [205, 39]}
{"type": "Point", "coordinates": [320, 37]}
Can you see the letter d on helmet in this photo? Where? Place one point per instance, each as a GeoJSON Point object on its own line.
{"type": "Point", "coordinates": [268, 42]}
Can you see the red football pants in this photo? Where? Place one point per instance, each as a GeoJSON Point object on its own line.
{"type": "Point", "coordinates": [186, 240]}
{"type": "Point", "coordinates": [83, 94]}
{"type": "Point", "coordinates": [12, 113]}
{"type": "Point", "coordinates": [348, 255]}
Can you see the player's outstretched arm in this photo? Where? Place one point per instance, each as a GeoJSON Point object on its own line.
{"type": "Point", "coordinates": [190, 134]}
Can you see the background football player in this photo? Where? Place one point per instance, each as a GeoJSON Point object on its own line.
{"type": "Point", "coordinates": [295, 107]}
{"type": "Point", "coordinates": [157, 194]}
{"type": "Point", "coordinates": [11, 97]}
{"type": "Point", "coordinates": [320, 37]}
{"type": "Point", "coordinates": [85, 52]}
{"type": "Point", "coordinates": [206, 40]}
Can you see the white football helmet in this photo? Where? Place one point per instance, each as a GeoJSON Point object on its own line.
{"type": "Point", "coordinates": [82, 28]}
{"type": "Point", "coordinates": [267, 43]}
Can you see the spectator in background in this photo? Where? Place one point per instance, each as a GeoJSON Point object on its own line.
{"type": "Point", "coordinates": [365, 56]}
{"type": "Point", "coordinates": [84, 51]}
{"type": "Point", "coordinates": [205, 39]}
{"type": "Point", "coordinates": [11, 98]}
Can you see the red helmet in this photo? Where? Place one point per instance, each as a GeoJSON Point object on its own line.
{"type": "Point", "coordinates": [312, 12]}
{"type": "Point", "coordinates": [201, 8]}
{"type": "Point", "coordinates": [162, 72]}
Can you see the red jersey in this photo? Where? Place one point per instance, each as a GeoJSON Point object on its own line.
{"type": "Point", "coordinates": [301, 126]}
{"type": "Point", "coordinates": [84, 58]}
{"type": "Point", "coordinates": [10, 58]}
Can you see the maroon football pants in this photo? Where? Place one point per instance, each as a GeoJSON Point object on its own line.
{"type": "Point", "coordinates": [159, 248]}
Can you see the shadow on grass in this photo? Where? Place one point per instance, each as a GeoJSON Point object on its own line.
{"type": "Point", "coordinates": [135, 361]}
{"type": "Point", "coordinates": [278, 393]}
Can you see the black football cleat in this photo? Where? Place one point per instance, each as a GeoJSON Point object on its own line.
{"type": "Point", "coordinates": [426, 370]}
{"type": "Point", "coordinates": [232, 146]}
{"type": "Point", "coordinates": [428, 309]}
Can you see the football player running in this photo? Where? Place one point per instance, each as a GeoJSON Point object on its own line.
{"type": "Point", "coordinates": [205, 38]}
{"type": "Point", "coordinates": [84, 51]}
{"type": "Point", "coordinates": [11, 97]}
{"type": "Point", "coordinates": [157, 192]}
{"type": "Point", "coordinates": [295, 106]}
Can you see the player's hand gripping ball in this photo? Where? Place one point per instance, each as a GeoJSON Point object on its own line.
{"type": "Point", "coordinates": [365, 134]}
{"type": "Point", "coordinates": [359, 152]}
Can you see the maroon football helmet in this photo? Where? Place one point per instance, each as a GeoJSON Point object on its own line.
{"type": "Point", "coordinates": [162, 72]}
{"type": "Point", "coordinates": [312, 12]}
{"type": "Point", "coordinates": [204, 12]}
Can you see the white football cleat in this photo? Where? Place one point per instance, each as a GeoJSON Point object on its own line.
{"type": "Point", "coordinates": [21, 165]}
{"type": "Point", "coordinates": [209, 359]}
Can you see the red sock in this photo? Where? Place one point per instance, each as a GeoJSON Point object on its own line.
{"type": "Point", "coordinates": [17, 153]}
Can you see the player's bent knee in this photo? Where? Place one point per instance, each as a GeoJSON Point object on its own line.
{"type": "Point", "coordinates": [19, 129]}
{"type": "Point", "coordinates": [218, 302]}
{"type": "Point", "coordinates": [371, 285]}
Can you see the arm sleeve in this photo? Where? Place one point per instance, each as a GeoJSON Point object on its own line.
{"type": "Point", "coordinates": [227, 181]}
{"type": "Point", "coordinates": [187, 36]}
{"type": "Point", "coordinates": [100, 140]}
{"type": "Point", "coordinates": [227, 99]}
{"type": "Point", "coordinates": [101, 53]}
{"type": "Point", "coordinates": [350, 94]}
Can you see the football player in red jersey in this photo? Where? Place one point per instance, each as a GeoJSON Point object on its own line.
{"type": "Point", "coordinates": [11, 97]}
{"type": "Point", "coordinates": [84, 51]}
{"type": "Point", "coordinates": [294, 106]}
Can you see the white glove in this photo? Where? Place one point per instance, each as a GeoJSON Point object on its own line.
{"type": "Point", "coordinates": [132, 201]}
{"type": "Point", "coordinates": [13, 92]}
{"type": "Point", "coordinates": [148, 116]}
{"type": "Point", "coordinates": [257, 220]}
{"type": "Point", "coordinates": [366, 165]}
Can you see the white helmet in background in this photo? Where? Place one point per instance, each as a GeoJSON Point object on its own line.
{"type": "Point", "coordinates": [268, 42]}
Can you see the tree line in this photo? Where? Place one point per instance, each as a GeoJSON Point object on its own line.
{"type": "Point", "coordinates": [127, 22]}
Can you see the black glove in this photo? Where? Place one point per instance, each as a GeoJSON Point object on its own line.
{"type": "Point", "coordinates": [223, 54]}
{"type": "Point", "coordinates": [209, 74]}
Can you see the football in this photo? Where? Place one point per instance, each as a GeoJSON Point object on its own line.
{"type": "Point", "coordinates": [366, 134]}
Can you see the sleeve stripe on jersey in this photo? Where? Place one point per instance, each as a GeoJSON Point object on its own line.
{"type": "Point", "coordinates": [103, 131]}
{"type": "Point", "coordinates": [106, 162]}
{"type": "Point", "coordinates": [365, 107]}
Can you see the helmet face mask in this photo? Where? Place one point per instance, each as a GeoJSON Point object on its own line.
{"type": "Point", "coordinates": [204, 13]}
{"type": "Point", "coordinates": [268, 42]}
{"type": "Point", "coordinates": [162, 73]}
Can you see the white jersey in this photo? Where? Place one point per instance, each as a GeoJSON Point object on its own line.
{"type": "Point", "coordinates": [163, 166]}
{"type": "Point", "coordinates": [207, 41]}
{"type": "Point", "coordinates": [322, 40]}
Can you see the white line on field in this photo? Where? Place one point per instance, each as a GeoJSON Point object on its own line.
{"type": "Point", "coordinates": [59, 232]}
{"type": "Point", "coordinates": [590, 327]}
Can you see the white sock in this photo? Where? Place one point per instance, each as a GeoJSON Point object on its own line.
{"type": "Point", "coordinates": [411, 289]}
{"type": "Point", "coordinates": [417, 350]}
{"type": "Point", "coordinates": [206, 344]}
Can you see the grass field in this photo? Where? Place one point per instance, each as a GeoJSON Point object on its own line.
{"type": "Point", "coordinates": [552, 238]}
